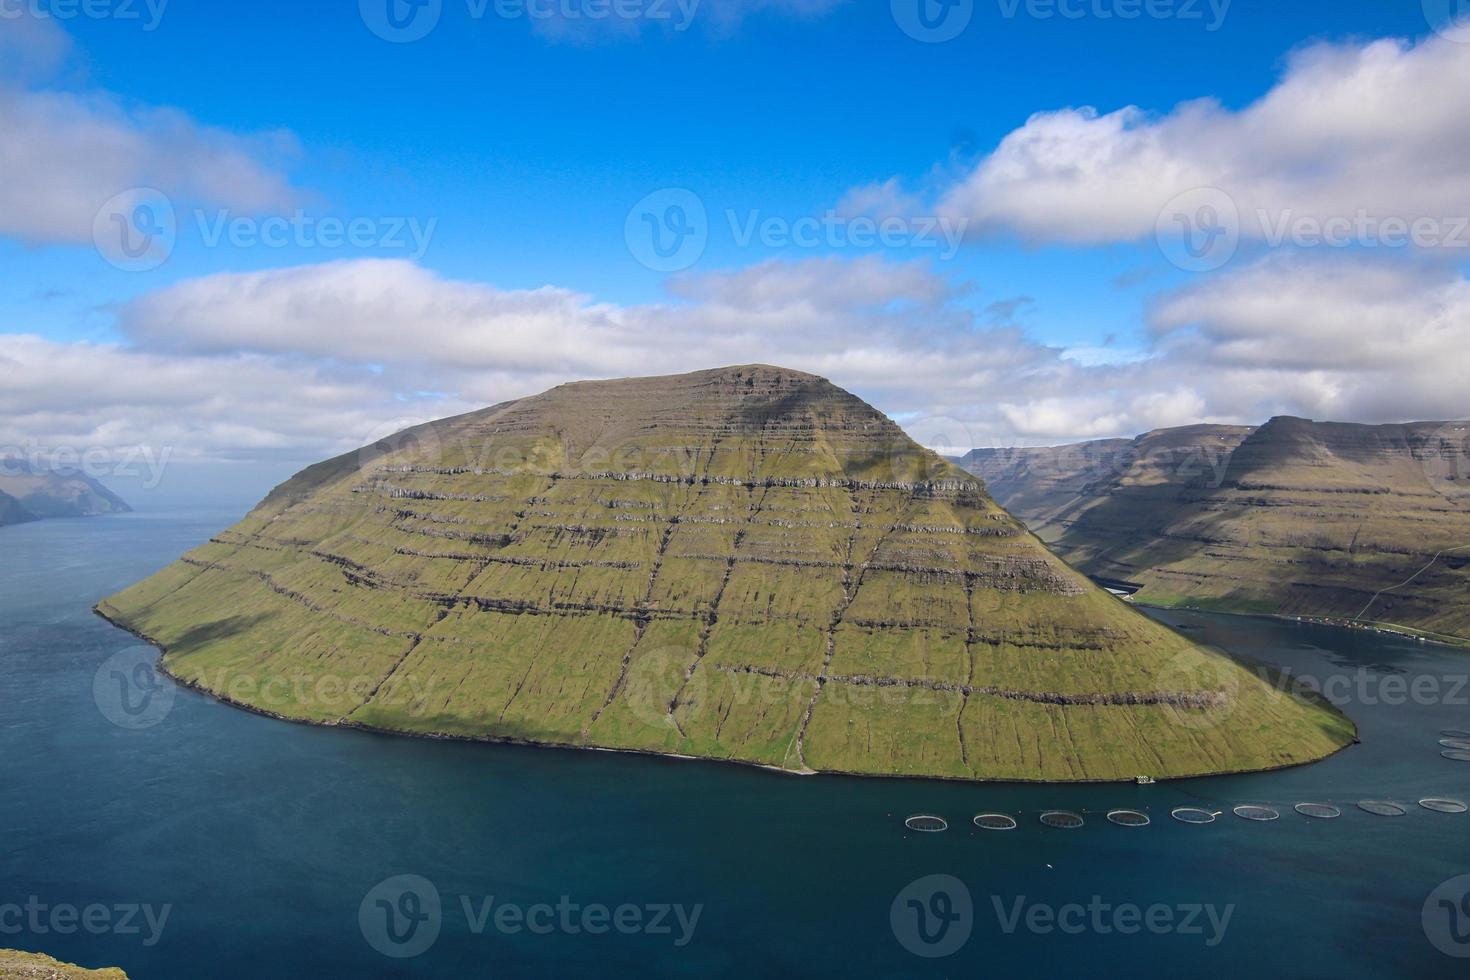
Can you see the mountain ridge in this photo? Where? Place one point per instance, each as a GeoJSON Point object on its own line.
{"type": "Point", "coordinates": [1335, 520]}
{"type": "Point", "coordinates": [746, 564]}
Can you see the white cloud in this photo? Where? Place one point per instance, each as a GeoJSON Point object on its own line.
{"type": "Point", "coordinates": [1381, 127]}
{"type": "Point", "coordinates": [65, 153]}
{"type": "Point", "coordinates": [1337, 339]}
{"type": "Point", "coordinates": [108, 396]}
{"type": "Point", "coordinates": [314, 360]}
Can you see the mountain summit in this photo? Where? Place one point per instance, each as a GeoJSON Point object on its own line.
{"type": "Point", "coordinates": [747, 564]}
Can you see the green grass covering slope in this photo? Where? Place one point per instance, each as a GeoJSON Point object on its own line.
{"type": "Point", "coordinates": [1294, 518]}
{"type": "Point", "coordinates": [745, 564]}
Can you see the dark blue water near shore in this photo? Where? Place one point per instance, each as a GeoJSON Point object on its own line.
{"type": "Point", "coordinates": [264, 838]}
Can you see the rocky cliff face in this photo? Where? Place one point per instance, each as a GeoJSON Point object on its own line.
{"type": "Point", "coordinates": [746, 564]}
{"type": "Point", "coordinates": [1296, 517]}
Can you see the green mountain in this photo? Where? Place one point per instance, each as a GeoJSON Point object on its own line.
{"type": "Point", "coordinates": [1320, 519]}
{"type": "Point", "coordinates": [746, 564]}
{"type": "Point", "coordinates": [32, 493]}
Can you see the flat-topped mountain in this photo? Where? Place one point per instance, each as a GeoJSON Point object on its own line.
{"type": "Point", "coordinates": [33, 493]}
{"type": "Point", "coordinates": [747, 564]}
{"type": "Point", "coordinates": [1323, 519]}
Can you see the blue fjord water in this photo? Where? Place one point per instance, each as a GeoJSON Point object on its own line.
{"type": "Point", "coordinates": [264, 841]}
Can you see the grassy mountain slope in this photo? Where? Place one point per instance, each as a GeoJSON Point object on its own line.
{"type": "Point", "coordinates": [746, 564]}
{"type": "Point", "coordinates": [1295, 518]}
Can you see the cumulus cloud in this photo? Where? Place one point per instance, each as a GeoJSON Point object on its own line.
{"type": "Point", "coordinates": [1381, 127]}
{"type": "Point", "coordinates": [319, 359]}
{"type": "Point", "coordinates": [112, 397]}
{"type": "Point", "coordinates": [1341, 339]}
{"type": "Point", "coordinates": [66, 153]}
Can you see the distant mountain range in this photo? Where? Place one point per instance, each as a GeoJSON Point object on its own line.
{"type": "Point", "coordinates": [1318, 519]}
{"type": "Point", "coordinates": [31, 493]}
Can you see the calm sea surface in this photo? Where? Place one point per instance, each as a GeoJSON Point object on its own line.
{"type": "Point", "coordinates": [267, 844]}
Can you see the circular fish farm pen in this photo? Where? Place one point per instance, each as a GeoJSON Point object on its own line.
{"type": "Point", "coordinates": [1129, 818]}
{"type": "Point", "coordinates": [1318, 811]}
{"type": "Point", "coordinates": [1444, 806]}
{"type": "Point", "coordinates": [996, 821]}
{"type": "Point", "coordinates": [1455, 743]}
{"type": "Point", "coordinates": [1260, 814]}
{"type": "Point", "coordinates": [1382, 808]}
{"type": "Point", "coordinates": [1194, 815]}
{"type": "Point", "coordinates": [1455, 733]}
{"type": "Point", "coordinates": [1458, 755]}
{"type": "Point", "coordinates": [926, 824]}
{"type": "Point", "coordinates": [1062, 819]}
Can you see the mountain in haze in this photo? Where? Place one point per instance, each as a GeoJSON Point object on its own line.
{"type": "Point", "coordinates": [29, 492]}
{"type": "Point", "coordinates": [746, 564]}
{"type": "Point", "coordinates": [1301, 518]}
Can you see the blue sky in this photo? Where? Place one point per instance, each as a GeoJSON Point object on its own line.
{"type": "Point", "coordinates": [524, 142]}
